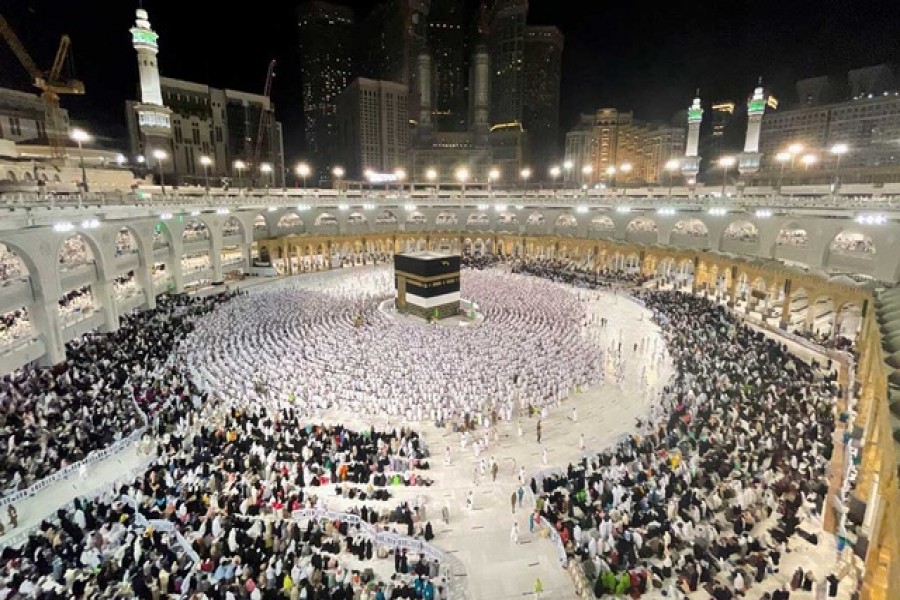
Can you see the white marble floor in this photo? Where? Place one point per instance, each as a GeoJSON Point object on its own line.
{"type": "Point", "coordinates": [495, 567]}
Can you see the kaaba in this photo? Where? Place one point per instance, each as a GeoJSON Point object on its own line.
{"type": "Point", "coordinates": [427, 284]}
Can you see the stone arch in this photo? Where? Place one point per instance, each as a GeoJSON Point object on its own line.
{"type": "Point", "coordinates": [508, 221]}
{"type": "Point", "coordinates": [195, 230]}
{"type": "Point", "coordinates": [566, 224]}
{"type": "Point", "coordinates": [642, 230]}
{"type": "Point", "coordinates": [76, 250]}
{"type": "Point", "coordinates": [536, 219]}
{"type": "Point", "coordinates": [14, 263]}
{"type": "Point", "coordinates": [851, 251]}
{"type": "Point", "coordinates": [387, 217]}
{"type": "Point", "coordinates": [260, 224]}
{"type": "Point", "coordinates": [416, 217]}
{"type": "Point", "coordinates": [478, 219]}
{"type": "Point", "coordinates": [290, 222]}
{"type": "Point", "coordinates": [792, 235]}
{"type": "Point", "coordinates": [162, 236]}
{"type": "Point", "coordinates": [326, 219]}
{"type": "Point", "coordinates": [446, 218]}
{"type": "Point", "coordinates": [741, 232]}
{"type": "Point", "coordinates": [126, 242]}
{"type": "Point", "coordinates": [690, 232]}
{"type": "Point", "coordinates": [232, 226]}
{"type": "Point", "coordinates": [601, 224]}
{"type": "Point", "coordinates": [357, 221]}
{"type": "Point", "coordinates": [11, 176]}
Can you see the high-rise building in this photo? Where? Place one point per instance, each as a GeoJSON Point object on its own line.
{"type": "Point", "coordinates": [391, 38]}
{"type": "Point", "coordinates": [217, 123]}
{"type": "Point", "coordinates": [373, 126]}
{"type": "Point", "coordinates": [582, 148]}
{"type": "Point", "coordinates": [326, 36]}
{"type": "Point", "coordinates": [506, 41]}
{"type": "Point", "coordinates": [610, 138]}
{"type": "Point", "coordinates": [540, 109]}
{"type": "Point", "coordinates": [447, 43]}
{"type": "Point", "coordinates": [714, 142]}
{"type": "Point", "coordinates": [23, 117]}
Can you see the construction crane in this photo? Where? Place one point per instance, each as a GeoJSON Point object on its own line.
{"type": "Point", "coordinates": [49, 83]}
{"type": "Point", "coordinates": [263, 115]}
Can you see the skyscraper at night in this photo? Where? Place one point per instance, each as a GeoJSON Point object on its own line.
{"type": "Point", "coordinates": [446, 37]}
{"type": "Point", "coordinates": [540, 105]}
{"type": "Point", "coordinates": [326, 36]}
{"type": "Point", "coordinates": [506, 43]}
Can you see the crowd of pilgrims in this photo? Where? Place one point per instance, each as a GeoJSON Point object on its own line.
{"type": "Point", "coordinates": [228, 476]}
{"type": "Point", "coordinates": [336, 348]}
{"type": "Point", "coordinates": [53, 417]}
{"type": "Point", "coordinates": [710, 493]}
{"type": "Point", "coordinates": [567, 271]}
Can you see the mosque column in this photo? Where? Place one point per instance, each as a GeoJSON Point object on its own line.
{"type": "Point", "coordinates": [694, 279]}
{"type": "Point", "coordinates": [732, 289]}
{"type": "Point", "coordinates": [786, 306]}
{"type": "Point", "coordinates": [248, 257]}
{"type": "Point", "coordinates": [145, 279]}
{"type": "Point", "coordinates": [45, 316]}
{"type": "Point", "coordinates": [286, 253]}
{"type": "Point", "coordinates": [810, 316]}
{"type": "Point", "coordinates": [216, 256]}
{"type": "Point", "coordinates": [104, 293]}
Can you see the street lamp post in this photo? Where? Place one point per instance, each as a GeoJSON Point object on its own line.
{"type": "Point", "coordinates": [783, 158]}
{"type": "Point", "coordinates": [400, 174]}
{"type": "Point", "coordinates": [672, 165]}
{"type": "Point", "coordinates": [80, 136]}
{"type": "Point", "coordinates": [554, 174]}
{"type": "Point", "coordinates": [160, 156]}
{"type": "Point", "coordinates": [302, 170]}
{"type": "Point", "coordinates": [626, 169]}
{"type": "Point", "coordinates": [525, 174]}
{"type": "Point", "coordinates": [206, 161]}
{"type": "Point", "coordinates": [568, 165]}
{"type": "Point", "coordinates": [338, 173]}
{"type": "Point", "coordinates": [726, 162]}
{"type": "Point", "coordinates": [838, 150]}
{"type": "Point", "coordinates": [586, 172]}
{"type": "Point", "coordinates": [265, 170]}
{"type": "Point", "coordinates": [240, 166]}
{"type": "Point", "coordinates": [493, 175]}
{"type": "Point", "coordinates": [431, 175]}
{"type": "Point", "coordinates": [794, 150]}
{"type": "Point", "coordinates": [462, 175]}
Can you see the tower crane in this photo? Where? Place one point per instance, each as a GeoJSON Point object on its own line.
{"type": "Point", "coordinates": [50, 84]}
{"type": "Point", "coordinates": [264, 115]}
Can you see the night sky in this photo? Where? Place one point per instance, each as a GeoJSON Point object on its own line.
{"type": "Point", "coordinates": [645, 56]}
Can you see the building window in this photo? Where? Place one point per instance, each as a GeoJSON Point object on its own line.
{"type": "Point", "coordinates": [218, 134]}
{"type": "Point", "coordinates": [196, 134]}
{"type": "Point", "coordinates": [178, 135]}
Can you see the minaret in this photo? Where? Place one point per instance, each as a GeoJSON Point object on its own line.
{"type": "Point", "coordinates": [154, 118]}
{"type": "Point", "coordinates": [423, 66]}
{"type": "Point", "coordinates": [690, 164]}
{"type": "Point", "coordinates": [749, 159]}
{"type": "Point", "coordinates": [481, 95]}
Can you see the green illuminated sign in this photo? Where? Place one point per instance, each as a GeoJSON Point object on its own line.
{"type": "Point", "coordinates": [756, 106]}
{"type": "Point", "coordinates": [695, 114]}
{"type": "Point", "coordinates": [143, 36]}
